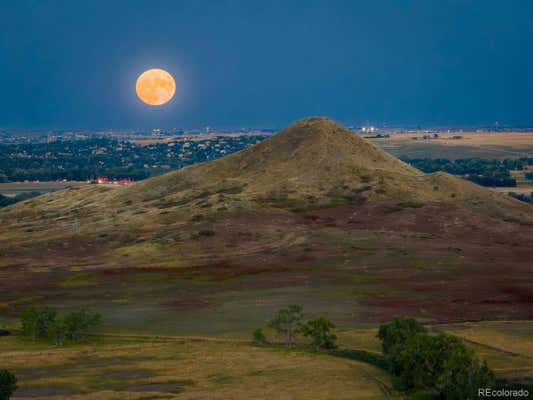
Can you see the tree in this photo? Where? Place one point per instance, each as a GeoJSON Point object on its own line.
{"type": "Point", "coordinates": [288, 322]}
{"type": "Point", "coordinates": [444, 365]}
{"type": "Point", "coordinates": [36, 321]}
{"type": "Point", "coordinates": [74, 326]}
{"type": "Point", "coordinates": [78, 324]}
{"type": "Point", "coordinates": [259, 337]}
{"type": "Point", "coordinates": [319, 330]}
{"type": "Point", "coordinates": [56, 332]}
{"type": "Point", "coordinates": [8, 384]}
{"type": "Point", "coordinates": [43, 322]}
{"type": "Point", "coordinates": [394, 336]}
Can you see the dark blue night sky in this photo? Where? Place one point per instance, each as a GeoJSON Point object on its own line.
{"type": "Point", "coordinates": [73, 64]}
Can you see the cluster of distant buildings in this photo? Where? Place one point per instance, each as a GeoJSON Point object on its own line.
{"type": "Point", "coordinates": [102, 180]}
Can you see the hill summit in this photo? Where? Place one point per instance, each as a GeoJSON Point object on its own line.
{"type": "Point", "coordinates": [314, 162]}
{"type": "Point", "coordinates": [315, 158]}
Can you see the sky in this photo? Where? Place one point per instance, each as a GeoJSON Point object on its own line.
{"type": "Point", "coordinates": [73, 64]}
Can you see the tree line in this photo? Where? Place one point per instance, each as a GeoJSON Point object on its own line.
{"type": "Point", "coordinates": [481, 171]}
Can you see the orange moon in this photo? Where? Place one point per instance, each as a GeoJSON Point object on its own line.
{"type": "Point", "coordinates": [155, 87]}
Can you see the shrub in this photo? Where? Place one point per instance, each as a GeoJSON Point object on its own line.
{"type": "Point", "coordinates": [259, 337]}
{"type": "Point", "coordinates": [394, 336]}
{"type": "Point", "coordinates": [288, 323]}
{"type": "Point", "coordinates": [8, 384]}
{"type": "Point", "coordinates": [319, 330]}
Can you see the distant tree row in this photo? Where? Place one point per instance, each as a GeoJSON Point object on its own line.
{"type": "Point", "coordinates": [481, 171]}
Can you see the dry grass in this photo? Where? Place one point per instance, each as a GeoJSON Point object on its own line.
{"type": "Point", "coordinates": [506, 345]}
{"type": "Point", "coordinates": [183, 369]}
{"type": "Point", "coordinates": [473, 138]}
{"type": "Point", "coordinates": [495, 145]}
{"type": "Point", "coordinates": [518, 189]}
{"type": "Point", "coordinates": [164, 367]}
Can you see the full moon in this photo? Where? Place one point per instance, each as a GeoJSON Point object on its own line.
{"type": "Point", "coordinates": [155, 87]}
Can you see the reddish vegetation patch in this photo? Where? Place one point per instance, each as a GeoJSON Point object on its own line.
{"type": "Point", "coordinates": [435, 261]}
{"type": "Point", "coordinates": [438, 219]}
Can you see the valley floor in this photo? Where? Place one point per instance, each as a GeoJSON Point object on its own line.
{"type": "Point", "coordinates": [229, 367]}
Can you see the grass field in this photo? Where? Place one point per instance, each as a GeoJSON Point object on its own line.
{"type": "Point", "coordinates": [489, 145]}
{"type": "Point", "coordinates": [506, 345]}
{"type": "Point", "coordinates": [173, 368]}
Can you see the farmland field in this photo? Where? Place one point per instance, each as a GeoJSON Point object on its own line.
{"type": "Point", "coordinates": [488, 145]}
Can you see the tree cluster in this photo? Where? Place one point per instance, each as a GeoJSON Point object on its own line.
{"type": "Point", "coordinates": [481, 171]}
{"type": "Point", "coordinates": [288, 323]}
{"type": "Point", "coordinates": [437, 364]}
{"type": "Point", "coordinates": [45, 323]}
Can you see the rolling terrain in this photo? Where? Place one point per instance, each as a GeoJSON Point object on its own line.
{"type": "Point", "coordinates": [314, 215]}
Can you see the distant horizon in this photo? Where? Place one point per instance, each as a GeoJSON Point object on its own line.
{"type": "Point", "coordinates": [237, 127]}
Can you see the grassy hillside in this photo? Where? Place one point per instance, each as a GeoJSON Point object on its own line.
{"type": "Point", "coordinates": [313, 215]}
{"type": "Point", "coordinates": [314, 163]}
